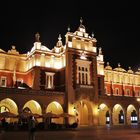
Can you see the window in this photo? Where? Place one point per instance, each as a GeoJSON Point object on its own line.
{"type": "Point", "coordinates": [49, 80]}
{"type": "Point", "coordinates": [83, 75]}
{"type": "Point", "coordinates": [3, 81]}
{"type": "Point", "coordinates": [127, 92]}
{"type": "Point", "coordinates": [19, 82]}
{"type": "Point", "coordinates": [138, 93]}
{"type": "Point", "coordinates": [117, 91]}
{"type": "Point", "coordinates": [83, 72]}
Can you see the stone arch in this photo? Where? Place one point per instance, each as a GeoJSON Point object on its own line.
{"type": "Point", "coordinates": [56, 108]}
{"type": "Point", "coordinates": [9, 105]}
{"type": "Point", "coordinates": [104, 116]}
{"type": "Point", "coordinates": [118, 114]}
{"type": "Point", "coordinates": [33, 106]}
{"type": "Point", "coordinates": [131, 114]}
{"type": "Point", "coordinates": [84, 111]}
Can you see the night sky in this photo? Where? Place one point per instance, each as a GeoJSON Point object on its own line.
{"type": "Point", "coordinates": [114, 24]}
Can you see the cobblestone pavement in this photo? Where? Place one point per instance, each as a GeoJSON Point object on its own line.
{"type": "Point", "coordinates": [81, 133]}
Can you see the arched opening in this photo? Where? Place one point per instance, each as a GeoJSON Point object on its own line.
{"type": "Point", "coordinates": [56, 108]}
{"type": "Point", "coordinates": [84, 112]}
{"type": "Point", "coordinates": [33, 107]}
{"type": "Point", "coordinates": [104, 116]}
{"type": "Point", "coordinates": [107, 117]}
{"type": "Point", "coordinates": [10, 106]}
{"type": "Point", "coordinates": [131, 115]}
{"type": "Point", "coordinates": [4, 109]}
{"type": "Point", "coordinates": [118, 115]}
{"type": "Point", "coordinates": [134, 117]}
{"type": "Point", "coordinates": [121, 117]}
{"type": "Point", "coordinates": [26, 109]}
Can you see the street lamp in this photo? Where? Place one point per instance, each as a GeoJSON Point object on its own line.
{"type": "Point", "coordinates": [74, 109]}
{"type": "Point", "coordinates": [138, 99]}
{"type": "Point", "coordinates": [98, 109]}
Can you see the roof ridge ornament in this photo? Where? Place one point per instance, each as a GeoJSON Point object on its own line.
{"type": "Point", "coordinates": [100, 51]}
{"type": "Point", "coordinates": [119, 65]}
{"type": "Point", "coordinates": [92, 35]}
{"type": "Point", "coordinates": [59, 42]}
{"type": "Point", "coordinates": [37, 37]}
{"type": "Point", "coordinates": [68, 28]}
{"type": "Point", "coordinates": [59, 37]}
{"type": "Point", "coordinates": [81, 20]}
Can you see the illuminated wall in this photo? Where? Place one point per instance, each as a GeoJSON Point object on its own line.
{"type": "Point", "coordinates": [121, 81]}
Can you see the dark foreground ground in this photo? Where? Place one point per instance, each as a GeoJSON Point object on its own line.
{"type": "Point", "coordinates": [81, 133]}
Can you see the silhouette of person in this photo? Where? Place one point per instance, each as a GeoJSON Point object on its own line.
{"type": "Point", "coordinates": [31, 127]}
{"type": "Point", "coordinates": [3, 121]}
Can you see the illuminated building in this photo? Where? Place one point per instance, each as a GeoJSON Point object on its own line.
{"type": "Point", "coordinates": [69, 78]}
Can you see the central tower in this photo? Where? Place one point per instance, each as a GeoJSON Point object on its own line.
{"type": "Point", "coordinates": [81, 74]}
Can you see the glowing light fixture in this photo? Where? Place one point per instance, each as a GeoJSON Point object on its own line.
{"type": "Point", "coordinates": [138, 99]}
{"type": "Point", "coordinates": [83, 56]}
{"type": "Point", "coordinates": [98, 109]}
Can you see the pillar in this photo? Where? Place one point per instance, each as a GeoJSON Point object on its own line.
{"type": "Point", "coordinates": [111, 116]}
{"type": "Point", "coordinates": [125, 117]}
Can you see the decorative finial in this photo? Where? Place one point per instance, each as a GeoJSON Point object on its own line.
{"type": "Point", "coordinates": [119, 65]}
{"type": "Point", "coordinates": [92, 35]}
{"type": "Point", "coordinates": [59, 38]}
{"type": "Point", "coordinates": [68, 28]}
{"type": "Point", "coordinates": [37, 37]}
{"type": "Point", "coordinates": [13, 47]}
{"type": "Point", "coordinates": [129, 68]}
{"type": "Point", "coordinates": [107, 63]}
{"type": "Point", "coordinates": [81, 20]}
{"type": "Point", "coordinates": [100, 50]}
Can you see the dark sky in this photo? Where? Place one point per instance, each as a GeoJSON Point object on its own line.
{"type": "Point", "coordinates": [115, 25]}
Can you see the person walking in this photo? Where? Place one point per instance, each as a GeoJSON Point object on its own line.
{"type": "Point", "coordinates": [31, 127]}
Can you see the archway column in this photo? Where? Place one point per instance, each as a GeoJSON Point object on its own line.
{"type": "Point", "coordinates": [111, 116]}
{"type": "Point", "coordinates": [138, 113]}
{"type": "Point", "coordinates": [43, 111]}
{"type": "Point", "coordinates": [125, 116]}
{"type": "Point", "coordinates": [20, 107]}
